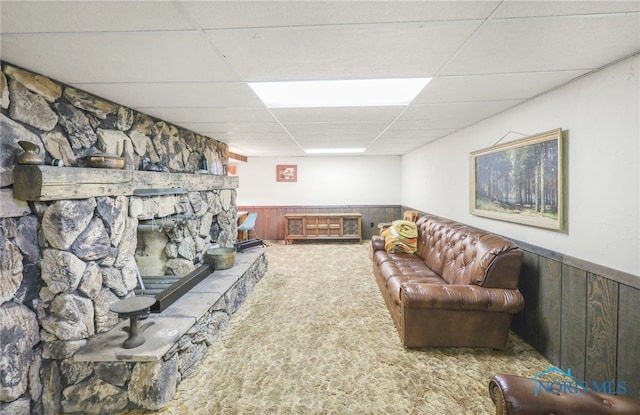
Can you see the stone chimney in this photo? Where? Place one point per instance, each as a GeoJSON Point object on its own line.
{"type": "Point", "coordinates": [67, 249]}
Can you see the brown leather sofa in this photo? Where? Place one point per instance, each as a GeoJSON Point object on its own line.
{"type": "Point", "coordinates": [459, 289]}
{"type": "Point", "coordinates": [515, 395]}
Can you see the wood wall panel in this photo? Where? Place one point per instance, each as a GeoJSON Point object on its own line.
{"type": "Point", "coordinates": [550, 309]}
{"type": "Point", "coordinates": [526, 324]}
{"type": "Point", "coordinates": [602, 319]}
{"type": "Point", "coordinates": [628, 347]}
{"type": "Point", "coordinates": [574, 320]}
{"type": "Point", "coordinates": [270, 224]}
{"type": "Point", "coordinates": [599, 332]}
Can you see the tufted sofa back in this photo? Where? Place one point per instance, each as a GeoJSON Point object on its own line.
{"type": "Point", "coordinates": [461, 254]}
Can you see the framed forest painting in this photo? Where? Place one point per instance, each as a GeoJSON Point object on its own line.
{"type": "Point", "coordinates": [520, 181]}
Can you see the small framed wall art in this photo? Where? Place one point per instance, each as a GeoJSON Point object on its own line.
{"type": "Point", "coordinates": [286, 173]}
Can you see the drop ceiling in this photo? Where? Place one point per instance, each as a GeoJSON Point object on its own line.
{"type": "Point", "coordinates": [189, 62]}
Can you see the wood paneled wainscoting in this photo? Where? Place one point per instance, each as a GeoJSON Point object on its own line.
{"type": "Point", "coordinates": [270, 224]}
{"type": "Point", "coordinates": [582, 316]}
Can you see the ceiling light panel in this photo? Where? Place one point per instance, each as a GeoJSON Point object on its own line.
{"type": "Point", "coordinates": [339, 93]}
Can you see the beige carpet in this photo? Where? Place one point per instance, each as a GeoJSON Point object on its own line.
{"type": "Point", "coordinates": [315, 337]}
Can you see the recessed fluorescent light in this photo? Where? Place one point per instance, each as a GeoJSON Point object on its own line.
{"type": "Point", "coordinates": [342, 93]}
{"type": "Point", "coordinates": [333, 150]}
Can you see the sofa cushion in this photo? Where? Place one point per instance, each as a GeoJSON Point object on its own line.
{"type": "Point", "coordinates": [395, 282]}
{"type": "Point", "coordinates": [459, 253]}
{"type": "Point", "coordinates": [399, 263]}
{"type": "Point", "coordinates": [461, 297]}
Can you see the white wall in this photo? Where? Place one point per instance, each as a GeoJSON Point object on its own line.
{"type": "Point", "coordinates": [601, 115]}
{"type": "Point", "coordinates": [321, 181]}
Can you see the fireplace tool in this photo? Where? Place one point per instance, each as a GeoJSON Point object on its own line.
{"type": "Point", "coordinates": [241, 246]}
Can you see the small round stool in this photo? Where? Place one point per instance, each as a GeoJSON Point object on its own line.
{"type": "Point", "coordinates": [133, 308]}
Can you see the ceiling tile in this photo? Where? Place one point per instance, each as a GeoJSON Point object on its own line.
{"type": "Point", "coordinates": [118, 57]}
{"type": "Point", "coordinates": [89, 16]}
{"type": "Point", "coordinates": [379, 149]}
{"type": "Point", "coordinates": [178, 94]}
{"type": "Point", "coordinates": [350, 52]}
{"type": "Point", "coordinates": [425, 126]}
{"type": "Point", "coordinates": [455, 114]}
{"type": "Point", "coordinates": [234, 127]}
{"type": "Point", "coordinates": [340, 115]}
{"type": "Point", "coordinates": [261, 14]}
{"type": "Point", "coordinates": [266, 148]}
{"type": "Point", "coordinates": [502, 86]}
{"type": "Point", "coordinates": [321, 136]}
{"type": "Point", "coordinates": [519, 8]}
{"type": "Point", "coordinates": [237, 137]}
{"type": "Point", "coordinates": [190, 115]}
{"type": "Point", "coordinates": [412, 136]}
{"type": "Point", "coordinates": [335, 127]}
{"type": "Point", "coordinates": [548, 44]}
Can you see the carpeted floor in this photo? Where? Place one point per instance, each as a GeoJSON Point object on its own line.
{"type": "Point", "coordinates": [315, 337]}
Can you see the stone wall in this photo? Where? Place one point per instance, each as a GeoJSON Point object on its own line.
{"type": "Point", "coordinates": [69, 124]}
{"type": "Point", "coordinates": [63, 263]}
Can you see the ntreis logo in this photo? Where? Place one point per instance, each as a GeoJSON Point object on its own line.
{"type": "Point", "coordinates": [571, 385]}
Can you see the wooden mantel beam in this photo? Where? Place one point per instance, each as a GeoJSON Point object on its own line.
{"type": "Point", "coordinates": [44, 183]}
{"type": "Point", "coordinates": [236, 156]}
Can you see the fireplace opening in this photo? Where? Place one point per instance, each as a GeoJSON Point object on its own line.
{"type": "Point", "coordinates": [169, 256]}
{"type": "Point", "coordinates": [156, 242]}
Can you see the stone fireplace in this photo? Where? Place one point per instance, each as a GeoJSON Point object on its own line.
{"type": "Point", "coordinates": [71, 238]}
{"type": "Point", "coordinates": [88, 262]}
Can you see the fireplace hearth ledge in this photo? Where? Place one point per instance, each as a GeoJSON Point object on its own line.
{"type": "Point", "coordinates": [169, 326]}
{"type": "Point", "coordinates": [146, 377]}
{"type": "Point", "coordinates": [160, 337]}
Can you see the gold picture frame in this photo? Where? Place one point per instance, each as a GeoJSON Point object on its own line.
{"type": "Point", "coordinates": [521, 181]}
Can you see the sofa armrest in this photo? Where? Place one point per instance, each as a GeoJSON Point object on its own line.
{"type": "Point", "coordinates": [516, 395]}
{"type": "Point", "coordinates": [460, 297]}
{"type": "Point", "coordinates": [377, 243]}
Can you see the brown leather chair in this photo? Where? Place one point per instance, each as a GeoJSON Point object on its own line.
{"type": "Point", "coordinates": [516, 395]}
